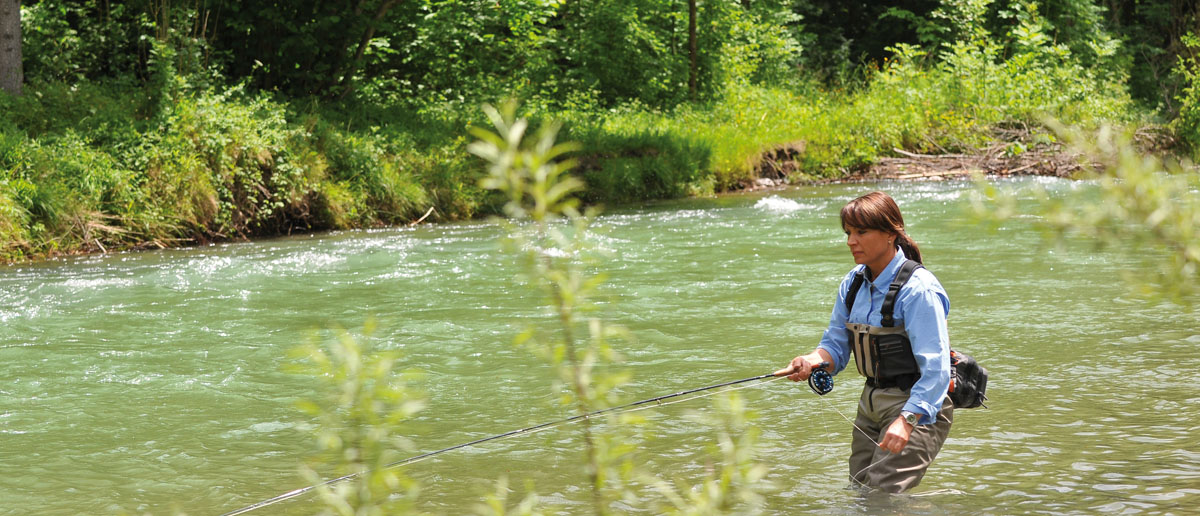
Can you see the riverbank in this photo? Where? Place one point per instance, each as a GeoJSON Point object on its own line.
{"type": "Point", "coordinates": [1019, 152]}
{"type": "Point", "coordinates": [905, 166]}
{"type": "Point", "coordinates": [102, 167]}
{"type": "Point", "coordinates": [616, 169]}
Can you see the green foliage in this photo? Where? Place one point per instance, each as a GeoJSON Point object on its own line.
{"type": "Point", "coordinates": [839, 36]}
{"type": "Point", "coordinates": [464, 50]}
{"type": "Point", "coordinates": [1135, 42]}
{"type": "Point", "coordinates": [1141, 204]}
{"type": "Point", "coordinates": [534, 179]}
{"type": "Point", "coordinates": [758, 46]}
{"type": "Point", "coordinates": [729, 487]}
{"type": "Point", "coordinates": [73, 41]}
{"type": "Point", "coordinates": [1151, 35]}
{"type": "Point", "coordinates": [628, 49]}
{"type": "Point", "coordinates": [953, 102]}
{"type": "Point", "coordinates": [1187, 124]}
{"type": "Point", "coordinates": [640, 164]}
{"type": "Point", "coordinates": [363, 403]}
{"type": "Point", "coordinates": [103, 169]}
{"type": "Point", "coordinates": [361, 165]}
{"type": "Point", "coordinates": [103, 112]}
{"type": "Point", "coordinates": [960, 20]}
{"type": "Point", "coordinates": [614, 51]}
{"type": "Point", "coordinates": [914, 102]}
{"type": "Point", "coordinates": [244, 146]}
{"type": "Point", "coordinates": [207, 161]}
{"type": "Point", "coordinates": [63, 193]}
{"type": "Point", "coordinates": [14, 218]}
{"type": "Point", "coordinates": [497, 503]}
{"type": "Point", "coordinates": [553, 239]}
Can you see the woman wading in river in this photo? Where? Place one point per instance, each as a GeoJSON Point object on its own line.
{"type": "Point", "coordinates": [899, 342]}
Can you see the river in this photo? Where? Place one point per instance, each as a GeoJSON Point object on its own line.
{"type": "Point", "coordinates": [152, 382]}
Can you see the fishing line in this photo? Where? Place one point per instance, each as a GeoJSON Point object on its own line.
{"type": "Point", "coordinates": [419, 458]}
{"type": "Point", "coordinates": [854, 477]}
{"type": "Point", "coordinates": [629, 407]}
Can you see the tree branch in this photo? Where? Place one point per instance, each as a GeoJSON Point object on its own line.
{"type": "Point", "coordinates": [362, 45]}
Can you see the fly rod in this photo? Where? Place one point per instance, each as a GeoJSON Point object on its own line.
{"type": "Point", "coordinates": [821, 382]}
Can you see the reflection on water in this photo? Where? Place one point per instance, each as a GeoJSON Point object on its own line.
{"type": "Point", "coordinates": [151, 381]}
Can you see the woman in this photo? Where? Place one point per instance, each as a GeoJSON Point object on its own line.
{"type": "Point", "coordinates": [904, 415]}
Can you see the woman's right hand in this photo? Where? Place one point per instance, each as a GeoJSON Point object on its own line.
{"type": "Point", "coordinates": [800, 368]}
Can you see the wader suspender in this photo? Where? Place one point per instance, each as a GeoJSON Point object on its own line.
{"type": "Point", "coordinates": [889, 300]}
{"type": "Point", "coordinates": [883, 356]}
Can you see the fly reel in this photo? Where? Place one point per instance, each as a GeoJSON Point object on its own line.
{"type": "Point", "coordinates": [820, 381]}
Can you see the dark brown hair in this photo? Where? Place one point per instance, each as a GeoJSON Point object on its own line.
{"type": "Point", "coordinates": [878, 210]}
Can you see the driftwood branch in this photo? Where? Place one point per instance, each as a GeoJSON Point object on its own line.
{"type": "Point", "coordinates": [418, 221]}
{"type": "Point", "coordinates": [930, 156]}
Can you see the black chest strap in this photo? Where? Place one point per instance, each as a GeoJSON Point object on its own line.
{"type": "Point", "coordinates": [889, 300]}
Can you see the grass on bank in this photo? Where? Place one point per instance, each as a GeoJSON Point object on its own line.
{"type": "Point", "coordinates": [94, 167]}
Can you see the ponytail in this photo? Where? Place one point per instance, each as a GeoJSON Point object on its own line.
{"type": "Point", "coordinates": [909, 246]}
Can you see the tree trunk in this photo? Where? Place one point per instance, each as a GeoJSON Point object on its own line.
{"type": "Point", "coordinates": [692, 48]}
{"type": "Point", "coordinates": [362, 47]}
{"type": "Point", "coordinates": [11, 75]}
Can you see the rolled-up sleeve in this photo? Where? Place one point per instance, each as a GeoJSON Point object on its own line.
{"type": "Point", "coordinates": [925, 305]}
{"type": "Point", "coordinates": [835, 340]}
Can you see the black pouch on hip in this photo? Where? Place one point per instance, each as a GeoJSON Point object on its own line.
{"type": "Point", "coordinates": [968, 381]}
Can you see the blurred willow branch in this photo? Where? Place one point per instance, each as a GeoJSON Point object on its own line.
{"type": "Point", "coordinates": [1143, 204]}
{"type": "Point", "coordinates": [553, 237]}
{"type": "Point", "coordinates": [548, 231]}
{"type": "Point", "coordinates": [361, 406]}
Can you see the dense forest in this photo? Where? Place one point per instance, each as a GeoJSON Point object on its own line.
{"type": "Point", "coordinates": [155, 124]}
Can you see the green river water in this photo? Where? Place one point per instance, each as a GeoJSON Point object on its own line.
{"type": "Point", "coordinates": [151, 382]}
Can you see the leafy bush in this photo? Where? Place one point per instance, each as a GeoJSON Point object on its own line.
{"type": "Point", "coordinates": [386, 191]}
{"type": "Point", "coordinates": [167, 155]}
{"type": "Point", "coordinates": [619, 166]}
{"type": "Point", "coordinates": [14, 237]}
{"type": "Point", "coordinates": [953, 103]}
{"type": "Point", "coordinates": [361, 404]}
{"type": "Point", "coordinates": [1187, 124]}
{"type": "Point", "coordinates": [69, 42]}
{"type": "Point", "coordinates": [67, 193]}
{"type": "Point", "coordinates": [243, 145]}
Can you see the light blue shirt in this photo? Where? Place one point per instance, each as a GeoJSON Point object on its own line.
{"type": "Point", "coordinates": [921, 306]}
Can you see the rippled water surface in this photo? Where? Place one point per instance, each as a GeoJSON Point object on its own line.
{"type": "Point", "coordinates": [152, 382]}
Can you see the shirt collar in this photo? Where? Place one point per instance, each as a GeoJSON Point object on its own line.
{"type": "Point", "coordinates": [883, 279]}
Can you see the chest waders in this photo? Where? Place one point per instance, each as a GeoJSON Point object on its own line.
{"type": "Point", "coordinates": [883, 354]}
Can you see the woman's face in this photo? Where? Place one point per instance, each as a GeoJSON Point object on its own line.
{"type": "Point", "coordinates": [871, 247]}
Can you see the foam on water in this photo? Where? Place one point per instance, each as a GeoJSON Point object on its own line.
{"type": "Point", "coordinates": [778, 204]}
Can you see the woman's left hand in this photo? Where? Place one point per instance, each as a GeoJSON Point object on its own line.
{"type": "Point", "coordinates": [897, 436]}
